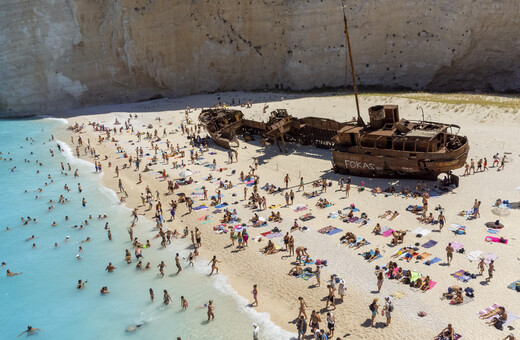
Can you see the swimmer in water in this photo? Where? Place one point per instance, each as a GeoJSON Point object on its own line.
{"type": "Point", "coordinates": [135, 327]}
{"type": "Point", "coordinates": [30, 331]}
{"type": "Point", "coordinates": [81, 284]}
{"type": "Point", "coordinates": [9, 273]}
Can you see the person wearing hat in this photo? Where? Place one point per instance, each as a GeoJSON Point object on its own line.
{"type": "Point", "coordinates": [256, 332]}
{"type": "Point", "coordinates": [342, 289]}
{"type": "Point", "coordinates": [388, 309]}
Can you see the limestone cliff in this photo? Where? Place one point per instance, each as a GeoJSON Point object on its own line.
{"type": "Point", "coordinates": [59, 54]}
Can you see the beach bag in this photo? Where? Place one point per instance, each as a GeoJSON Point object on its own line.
{"type": "Point", "coordinates": [419, 257]}
{"type": "Point", "coordinates": [498, 324]}
{"type": "Point", "coordinates": [318, 262]}
{"type": "Point", "coordinates": [371, 307]}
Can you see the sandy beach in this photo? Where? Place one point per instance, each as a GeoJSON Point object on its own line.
{"type": "Point", "coordinates": [491, 124]}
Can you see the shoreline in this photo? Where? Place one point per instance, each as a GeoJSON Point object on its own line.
{"type": "Point", "coordinates": [277, 289]}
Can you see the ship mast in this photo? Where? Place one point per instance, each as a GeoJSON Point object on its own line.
{"type": "Point", "coordinates": [360, 121]}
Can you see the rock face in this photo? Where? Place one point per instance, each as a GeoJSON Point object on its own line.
{"type": "Point", "coordinates": [61, 54]}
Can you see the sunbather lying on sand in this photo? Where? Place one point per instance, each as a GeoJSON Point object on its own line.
{"type": "Point", "coordinates": [388, 212]}
{"type": "Point", "coordinates": [491, 313]}
{"type": "Point", "coordinates": [359, 244]}
{"type": "Point", "coordinates": [296, 270]}
{"type": "Point", "coordinates": [322, 203]}
{"type": "Point", "coordinates": [394, 215]}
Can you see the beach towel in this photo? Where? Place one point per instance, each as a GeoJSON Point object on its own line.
{"type": "Point", "coordinates": [334, 231]}
{"type": "Point", "coordinates": [398, 295]}
{"type": "Point", "coordinates": [456, 336]}
{"type": "Point", "coordinates": [201, 207]}
{"type": "Point", "coordinates": [473, 255]}
{"type": "Point", "coordinates": [353, 219]}
{"type": "Point", "coordinates": [432, 261]}
{"type": "Point", "coordinates": [457, 245]}
{"type": "Point", "coordinates": [206, 221]}
{"type": "Point", "coordinates": [422, 231]}
{"type": "Point", "coordinates": [265, 234]}
{"type": "Point", "coordinates": [220, 206]}
{"type": "Point", "coordinates": [333, 214]}
{"type": "Point", "coordinates": [429, 244]}
{"type": "Point", "coordinates": [490, 257]}
{"type": "Point", "coordinates": [300, 207]}
{"type": "Point", "coordinates": [432, 284]}
{"type": "Point", "coordinates": [492, 231]}
{"type": "Point", "coordinates": [388, 232]}
{"type": "Point", "coordinates": [514, 284]}
{"type": "Point", "coordinates": [306, 217]}
{"type": "Point", "coordinates": [325, 229]}
{"type": "Point", "coordinates": [495, 239]}
{"type": "Point", "coordinates": [461, 276]}
{"type": "Point", "coordinates": [511, 317]}
{"type": "Point", "coordinates": [273, 235]}
{"type": "Point", "coordinates": [305, 275]}
{"type": "Point", "coordinates": [274, 206]}
{"type": "Point", "coordinates": [415, 276]}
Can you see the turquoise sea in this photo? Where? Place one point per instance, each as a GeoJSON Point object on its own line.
{"type": "Point", "coordinates": [45, 295]}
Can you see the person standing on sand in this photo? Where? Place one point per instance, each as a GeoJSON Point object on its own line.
{"type": "Point", "coordinates": [331, 322]}
{"type": "Point", "coordinates": [466, 169]}
{"type": "Point", "coordinates": [491, 269]}
{"type": "Point", "coordinates": [213, 263]}
{"type": "Point", "coordinates": [198, 237]}
{"type": "Point", "coordinates": [301, 326]}
{"type": "Point", "coordinates": [380, 279]}
{"type": "Point", "coordinates": [317, 272]}
{"type": "Point", "coordinates": [373, 308]}
{"type": "Point", "coordinates": [388, 309]}
{"type": "Point", "coordinates": [482, 266]}
{"type": "Point", "coordinates": [449, 253]}
{"type": "Point", "coordinates": [255, 296]}
{"type": "Point", "coordinates": [314, 321]}
{"type": "Point", "coordinates": [347, 189]}
{"type": "Point", "coordinates": [303, 305]}
{"type": "Point", "coordinates": [442, 221]}
{"type": "Point", "coordinates": [291, 245]}
{"type": "Point", "coordinates": [330, 297]}
{"type": "Point", "coordinates": [302, 186]}
{"type": "Point", "coordinates": [287, 180]}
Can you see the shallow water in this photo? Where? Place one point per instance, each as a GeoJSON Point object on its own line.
{"type": "Point", "coordinates": [45, 295]}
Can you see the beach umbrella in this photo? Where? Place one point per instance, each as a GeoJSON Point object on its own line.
{"type": "Point", "coordinates": [500, 211]}
{"type": "Point", "coordinates": [186, 173]}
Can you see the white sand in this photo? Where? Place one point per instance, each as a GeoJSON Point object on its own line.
{"type": "Point", "coordinates": [489, 129]}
